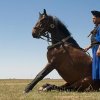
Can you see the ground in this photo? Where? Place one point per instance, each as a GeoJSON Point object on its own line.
{"type": "Point", "coordinates": [12, 89]}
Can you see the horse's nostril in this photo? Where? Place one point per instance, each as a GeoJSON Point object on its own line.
{"type": "Point", "coordinates": [35, 36]}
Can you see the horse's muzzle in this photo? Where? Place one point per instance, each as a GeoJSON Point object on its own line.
{"type": "Point", "coordinates": [35, 36]}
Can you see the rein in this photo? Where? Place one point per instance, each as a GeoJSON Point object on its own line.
{"type": "Point", "coordinates": [93, 44]}
{"type": "Point", "coordinates": [56, 44]}
{"type": "Point", "coordinates": [49, 39]}
{"type": "Point", "coordinates": [64, 41]}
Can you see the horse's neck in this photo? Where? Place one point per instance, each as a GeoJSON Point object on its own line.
{"type": "Point", "coordinates": [58, 36]}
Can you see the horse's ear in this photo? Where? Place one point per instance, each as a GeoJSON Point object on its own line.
{"type": "Point", "coordinates": [45, 12]}
{"type": "Point", "coordinates": [40, 15]}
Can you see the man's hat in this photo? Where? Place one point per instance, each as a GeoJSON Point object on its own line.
{"type": "Point", "coordinates": [95, 13]}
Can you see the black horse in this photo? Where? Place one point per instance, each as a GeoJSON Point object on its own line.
{"type": "Point", "coordinates": [64, 55]}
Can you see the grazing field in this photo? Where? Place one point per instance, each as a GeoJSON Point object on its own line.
{"type": "Point", "coordinates": [12, 89]}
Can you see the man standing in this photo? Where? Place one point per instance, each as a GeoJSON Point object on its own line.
{"type": "Point", "coordinates": [95, 41]}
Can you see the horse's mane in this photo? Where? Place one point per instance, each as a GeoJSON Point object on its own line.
{"type": "Point", "coordinates": [64, 30]}
{"type": "Point", "coordinates": [61, 26]}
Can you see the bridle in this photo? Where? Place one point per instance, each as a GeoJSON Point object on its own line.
{"type": "Point", "coordinates": [46, 33]}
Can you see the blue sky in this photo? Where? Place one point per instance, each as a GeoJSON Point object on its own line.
{"type": "Point", "coordinates": [21, 56]}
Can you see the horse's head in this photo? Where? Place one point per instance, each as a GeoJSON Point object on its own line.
{"type": "Point", "coordinates": [44, 24]}
{"type": "Point", "coordinates": [49, 24]}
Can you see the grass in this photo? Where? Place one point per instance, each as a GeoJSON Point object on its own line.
{"type": "Point", "coordinates": [12, 89]}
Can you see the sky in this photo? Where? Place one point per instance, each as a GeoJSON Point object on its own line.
{"type": "Point", "coordinates": [22, 56]}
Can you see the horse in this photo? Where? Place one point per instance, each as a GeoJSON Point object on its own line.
{"type": "Point", "coordinates": [64, 55]}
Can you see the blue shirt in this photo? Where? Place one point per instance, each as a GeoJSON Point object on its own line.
{"type": "Point", "coordinates": [98, 33]}
{"type": "Point", "coordinates": [96, 59]}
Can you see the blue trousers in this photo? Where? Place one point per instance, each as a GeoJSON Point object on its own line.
{"type": "Point", "coordinates": [95, 64]}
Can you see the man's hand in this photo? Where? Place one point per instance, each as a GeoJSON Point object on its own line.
{"type": "Point", "coordinates": [87, 48]}
{"type": "Point", "coordinates": [98, 51]}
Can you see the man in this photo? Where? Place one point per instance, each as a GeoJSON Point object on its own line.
{"type": "Point", "coordinates": [95, 42]}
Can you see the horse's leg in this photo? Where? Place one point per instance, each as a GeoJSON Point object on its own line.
{"type": "Point", "coordinates": [49, 67]}
{"type": "Point", "coordinates": [82, 84]}
{"type": "Point", "coordinates": [49, 87]}
{"type": "Point", "coordinates": [85, 84]}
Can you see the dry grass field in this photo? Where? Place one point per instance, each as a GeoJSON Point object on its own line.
{"type": "Point", "coordinates": [12, 89]}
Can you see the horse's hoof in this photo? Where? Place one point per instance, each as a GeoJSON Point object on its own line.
{"type": "Point", "coordinates": [40, 89]}
{"type": "Point", "coordinates": [27, 90]}
{"type": "Point", "coordinates": [24, 92]}
{"type": "Point", "coordinates": [45, 89]}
